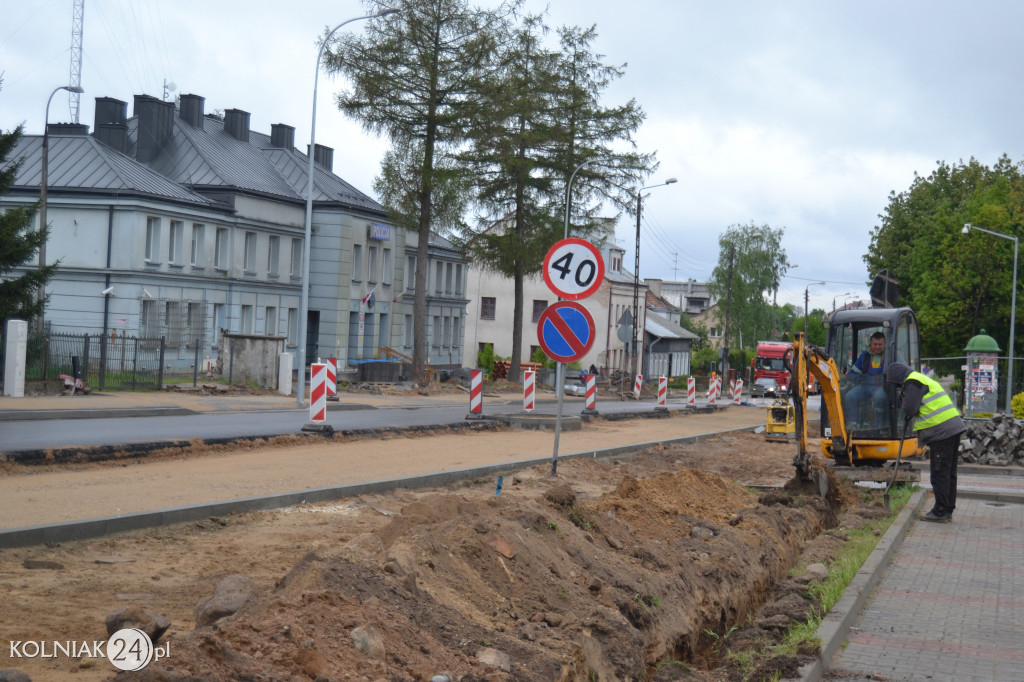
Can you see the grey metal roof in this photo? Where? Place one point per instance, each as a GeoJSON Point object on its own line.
{"type": "Point", "coordinates": [213, 159]}
{"type": "Point", "coordinates": [293, 168]}
{"type": "Point", "coordinates": [665, 329]}
{"type": "Point", "coordinates": [80, 162]}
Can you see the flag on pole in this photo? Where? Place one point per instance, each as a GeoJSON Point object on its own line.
{"type": "Point", "coordinates": [369, 295]}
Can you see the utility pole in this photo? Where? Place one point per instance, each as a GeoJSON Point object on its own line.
{"type": "Point", "coordinates": [728, 310]}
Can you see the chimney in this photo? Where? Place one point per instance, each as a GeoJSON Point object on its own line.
{"type": "Point", "coordinates": [282, 136]}
{"type": "Point", "coordinates": [156, 123]}
{"type": "Point", "coordinates": [654, 285]}
{"type": "Point", "coordinates": [67, 129]}
{"type": "Point", "coordinates": [236, 124]}
{"type": "Point", "coordinates": [324, 156]}
{"type": "Point", "coordinates": [111, 123]}
{"type": "Point", "coordinates": [191, 111]}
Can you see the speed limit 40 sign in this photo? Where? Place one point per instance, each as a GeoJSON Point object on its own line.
{"type": "Point", "coordinates": [573, 269]}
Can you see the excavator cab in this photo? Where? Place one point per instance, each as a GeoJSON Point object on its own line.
{"type": "Point", "coordinates": [870, 405]}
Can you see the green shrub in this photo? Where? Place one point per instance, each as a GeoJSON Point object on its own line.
{"type": "Point", "coordinates": [1017, 405]}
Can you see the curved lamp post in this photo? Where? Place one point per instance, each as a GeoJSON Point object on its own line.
{"type": "Point", "coordinates": [636, 272]}
{"type": "Point", "coordinates": [300, 393]}
{"type": "Point", "coordinates": [560, 367]}
{"type": "Point", "coordinates": [1013, 308]}
{"type": "Point", "coordinates": [41, 293]}
{"type": "Point", "coordinates": [807, 298]}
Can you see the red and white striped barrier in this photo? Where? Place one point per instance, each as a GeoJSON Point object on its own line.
{"type": "Point", "coordinates": [691, 391]}
{"type": "Point", "coordinates": [637, 384]}
{"type": "Point", "coordinates": [589, 407]}
{"type": "Point", "coordinates": [713, 391]}
{"type": "Point", "coordinates": [317, 392]}
{"type": "Point", "coordinates": [737, 392]}
{"type": "Point", "coordinates": [332, 378]}
{"type": "Point", "coordinates": [662, 391]}
{"type": "Point", "coordinates": [476, 392]}
{"type": "Point", "coordinates": [529, 384]}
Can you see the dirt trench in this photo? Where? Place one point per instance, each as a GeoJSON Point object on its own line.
{"type": "Point", "coordinates": [634, 569]}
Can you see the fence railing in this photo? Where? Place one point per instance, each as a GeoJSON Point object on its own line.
{"type": "Point", "coordinates": [122, 363]}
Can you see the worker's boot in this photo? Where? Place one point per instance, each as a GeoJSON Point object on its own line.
{"type": "Point", "coordinates": [937, 517]}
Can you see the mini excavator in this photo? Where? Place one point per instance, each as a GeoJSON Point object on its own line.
{"type": "Point", "coordinates": [860, 430]}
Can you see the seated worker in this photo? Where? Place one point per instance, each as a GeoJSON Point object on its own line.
{"type": "Point", "coordinates": [868, 376]}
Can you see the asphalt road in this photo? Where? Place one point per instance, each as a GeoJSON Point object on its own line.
{"type": "Point", "coordinates": [18, 436]}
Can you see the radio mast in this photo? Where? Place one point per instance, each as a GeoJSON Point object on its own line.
{"type": "Point", "coordinates": [78, 10]}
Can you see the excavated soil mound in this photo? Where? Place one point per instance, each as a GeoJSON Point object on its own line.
{"type": "Point", "coordinates": [546, 581]}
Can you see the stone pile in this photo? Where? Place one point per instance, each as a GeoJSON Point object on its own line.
{"type": "Point", "coordinates": [998, 441]}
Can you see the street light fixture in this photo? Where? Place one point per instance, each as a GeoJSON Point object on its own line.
{"type": "Point", "coordinates": [300, 394]}
{"type": "Point", "coordinates": [41, 293]}
{"type": "Point", "coordinates": [636, 272]}
{"type": "Point", "coordinates": [1013, 307]}
{"type": "Point", "coordinates": [807, 298]}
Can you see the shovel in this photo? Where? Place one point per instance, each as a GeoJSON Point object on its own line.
{"type": "Point", "coordinates": [895, 469]}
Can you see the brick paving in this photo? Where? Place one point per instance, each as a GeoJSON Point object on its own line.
{"type": "Point", "coordinates": [950, 606]}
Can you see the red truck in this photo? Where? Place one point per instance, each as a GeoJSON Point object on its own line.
{"type": "Point", "coordinates": [770, 362]}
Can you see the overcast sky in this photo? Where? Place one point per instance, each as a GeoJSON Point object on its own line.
{"type": "Point", "coordinates": [799, 115]}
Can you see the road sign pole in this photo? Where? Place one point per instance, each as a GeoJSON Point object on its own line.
{"type": "Point", "coordinates": [560, 392]}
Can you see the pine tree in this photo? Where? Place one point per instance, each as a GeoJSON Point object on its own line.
{"type": "Point", "coordinates": [19, 244]}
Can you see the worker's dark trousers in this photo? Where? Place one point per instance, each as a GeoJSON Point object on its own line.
{"type": "Point", "coordinates": [943, 473]}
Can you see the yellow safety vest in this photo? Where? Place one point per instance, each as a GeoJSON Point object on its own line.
{"type": "Point", "coordinates": [936, 406]}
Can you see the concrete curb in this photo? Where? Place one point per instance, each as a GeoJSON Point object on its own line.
{"type": "Point", "coordinates": [97, 527]}
{"type": "Point", "coordinates": [836, 624]}
{"type": "Point", "coordinates": [94, 413]}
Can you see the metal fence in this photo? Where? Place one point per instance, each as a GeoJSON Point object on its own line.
{"type": "Point", "coordinates": [950, 372]}
{"type": "Point", "coordinates": [120, 363]}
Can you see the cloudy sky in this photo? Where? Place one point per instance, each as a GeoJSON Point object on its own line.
{"type": "Point", "coordinates": [799, 115]}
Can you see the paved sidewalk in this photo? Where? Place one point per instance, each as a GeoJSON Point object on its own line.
{"type": "Point", "coordinates": [950, 606]}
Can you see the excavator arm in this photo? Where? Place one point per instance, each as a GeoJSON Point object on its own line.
{"type": "Point", "coordinates": [809, 360]}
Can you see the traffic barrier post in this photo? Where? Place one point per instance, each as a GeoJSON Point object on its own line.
{"type": "Point", "coordinates": [529, 384]}
{"type": "Point", "coordinates": [691, 391]}
{"type": "Point", "coordinates": [476, 395]}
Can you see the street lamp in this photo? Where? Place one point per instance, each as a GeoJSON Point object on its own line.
{"type": "Point", "coordinates": [1013, 307]}
{"type": "Point", "coordinates": [304, 298]}
{"type": "Point", "coordinates": [807, 298]}
{"type": "Point", "coordinates": [560, 367]}
{"type": "Point", "coordinates": [41, 293]}
{"type": "Point", "coordinates": [636, 271]}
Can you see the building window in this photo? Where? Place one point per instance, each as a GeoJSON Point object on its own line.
{"type": "Point", "coordinates": [246, 319]}
{"type": "Point", "coordinates": [385, 274]}
{"type": "Point", "coordinates": [456, 332]}
{"type": "Point", "coordinates": [448, 278]}
{"type": "Point", "coordinates": [458, 279]}
{"type": "Point", "coordinates": [533, 352]}
{"type": "Point", "coordinates": [270, 320]}
{"type": "Point", "coordinates": [408, 332]}
{"type": "Point", "coordinates": [250, 252]}
{"type": "Point", "coordinates": [196, 324]}
{"type": "Point", "coordinates": [293, 327]}
{"type": "Point", "coordinates": [446, 338]}
{"type": "Point", "coordinates": [713, 333]}
{"type": "Point", "coordinates": [357, 262]}
{"type": "Point", "coordinates": [220, 320]}
{"type": "Point", "coordinates": [439, 274]}
{"type": "Point", "coordinates": [538, 308]}
{"type": "Point", "coordinates": [371, 257]}
{"type": "Point", "coordinates": [487, 306]}
{"type": "Point", "coordinates": [197, 245]}
{"type": "Point", "coordinates": [295, 269]}
{"type": "Point", "coordinates": [149, 324]}
{"type": "Point", "coordinates": [273, 256]}
{"type": "Point", "coordinates": [220, 255]}
{"type": "Point", "coordinates": [435, 333]}
{"type": "Point", "coordinates": [152, 240]}
{"type": "Point", "coordinates": [175, 324]}
{"type": "Point", "coordinates": [174, 245]}
{"type": "Point", "coordinates": [410, 273]}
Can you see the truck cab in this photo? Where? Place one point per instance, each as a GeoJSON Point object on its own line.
{"type": "Point", "coordinates": [870, 405]}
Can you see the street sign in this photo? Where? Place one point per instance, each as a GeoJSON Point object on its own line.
{"type": "Point", "coordinates": [565, 331]}
{"type": "Point", "coordinates": [573, 269]}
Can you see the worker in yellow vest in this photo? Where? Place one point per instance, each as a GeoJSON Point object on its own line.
{"type": "Point", "coordinates": [938, 425]}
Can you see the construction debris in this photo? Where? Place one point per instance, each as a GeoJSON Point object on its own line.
{"type": "Point", "coordinates": [998, 441]}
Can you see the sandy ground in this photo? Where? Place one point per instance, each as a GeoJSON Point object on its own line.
{"type": "Point", "coordinates": [90, 491]}
{"type": "Point", "coordinates": [600, 574]}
